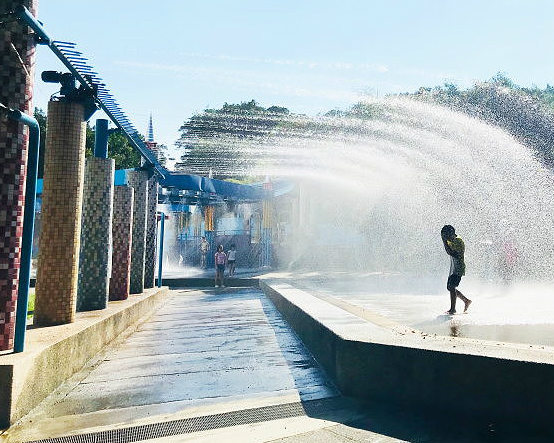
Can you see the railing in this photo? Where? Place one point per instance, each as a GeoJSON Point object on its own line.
{"type": "Point", "coordinates": [232, 232]}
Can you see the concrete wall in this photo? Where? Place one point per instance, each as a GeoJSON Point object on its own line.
{"type": "Point", "coordinates": [54, 354]}
{"type": "Point", "coordinates": [494, 381]}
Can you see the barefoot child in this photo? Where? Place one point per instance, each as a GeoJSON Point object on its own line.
{"type": "Point", "coordinates": [455, 248]}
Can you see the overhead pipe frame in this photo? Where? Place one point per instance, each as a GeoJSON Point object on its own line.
{"type": "Point", "coordinates": [161, 248]}
{"type": "Point", "coordinates": [23, 14]}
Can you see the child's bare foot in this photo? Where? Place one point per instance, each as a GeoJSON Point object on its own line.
{"type": "Point", "coordinates": [467, 303]}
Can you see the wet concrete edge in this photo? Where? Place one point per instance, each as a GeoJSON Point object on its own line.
{"type": "Point", "coordinates": [489, 388]}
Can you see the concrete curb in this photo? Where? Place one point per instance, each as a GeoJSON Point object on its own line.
{"type": "Point", "coordinates": [492, 381]}
{"type": "Point", "coordinates": [55, 353]}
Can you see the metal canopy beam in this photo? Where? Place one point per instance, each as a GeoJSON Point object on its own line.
{"type": "Point", "coordinates": [78, 66]}
{"type": "Point", "coordinates": [213, 186]}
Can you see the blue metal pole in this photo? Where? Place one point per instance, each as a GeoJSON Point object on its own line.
{"type": "Point", "coordinates": [161, 249]}
{"type": "Point", "coordinates": [28, 227]}
{"type": "Point", "coordinates": [101, 138]}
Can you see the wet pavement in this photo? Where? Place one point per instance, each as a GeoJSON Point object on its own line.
{"type": "Point", "coordinates": [201, 347]}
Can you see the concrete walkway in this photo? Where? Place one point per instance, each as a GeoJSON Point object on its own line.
{"type": "Point", "coordinates": [202, 345]}
{"type": "Point", "coordinates": [201, 348]}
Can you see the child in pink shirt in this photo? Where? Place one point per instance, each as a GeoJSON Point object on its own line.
{"type": "Point", "coordinates": [220, 262]}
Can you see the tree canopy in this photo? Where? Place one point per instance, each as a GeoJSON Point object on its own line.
{"type": "Point", "coordinates": [526, 113]}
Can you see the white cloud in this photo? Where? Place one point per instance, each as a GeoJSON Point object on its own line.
{"type": "Point", "coordinates": [252, 81]}
{"type": "Point", "coordinates": [338, 65]}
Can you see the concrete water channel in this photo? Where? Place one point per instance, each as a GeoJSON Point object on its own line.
{"type": "Point", "coordinates": [223, 365]}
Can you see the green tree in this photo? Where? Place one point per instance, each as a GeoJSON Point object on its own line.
{"type": "Point", "coordinates": [122, 152]}
{"type": "Point", "coordinates": [162, 154]}
{"type": "Point", "coordinates": [526, 113]}
{"type": "Point", "coordinates": [89, 141]}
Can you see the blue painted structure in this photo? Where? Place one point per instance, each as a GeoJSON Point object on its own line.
{"type": "Point", "coordinates": [101, 138]}
{"type": "Point", "coordinates": [161, 248]}
{"type": "Point", "coordinates": [212, 186]}
{"type": "Point", "coordinates": [196, 183]}
{"type": "Point", "coordinates": [90, 82]}
{"type": "Point", "coordinates": [97, 96]}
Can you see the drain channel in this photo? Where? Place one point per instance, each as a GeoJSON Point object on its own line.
{"type": "Point", "coordinates": [196, 424]}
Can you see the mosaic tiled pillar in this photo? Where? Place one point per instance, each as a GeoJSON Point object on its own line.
{"type": "Point", "coordinates": [151, 231]}
{"type": "Point", "coordinates": [122, 229]}
{"type": "Point", "coordinates": [96, 234]}
{"type": "Point", "coordinates": [138, 181]}
{"type": "Point", "coordinates": [17, 58]}
{"type": "Point", "coordinates": [62, 198]}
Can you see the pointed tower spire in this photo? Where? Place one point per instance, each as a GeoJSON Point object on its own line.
{"type": "Point", "coordinates": [150, 139]}
{"type": "Point", "coordinates": [150, 130]}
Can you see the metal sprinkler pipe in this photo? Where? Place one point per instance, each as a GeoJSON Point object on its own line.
{"type": "Point", "coordinates": [28, 224]}
{"type": "Point", "coordinates": [161, 248]}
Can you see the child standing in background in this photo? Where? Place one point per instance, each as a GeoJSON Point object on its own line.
{"type": "Point", "coordinates": [231, 259]}
{"type": "Point", "coordinates": [220, 261]}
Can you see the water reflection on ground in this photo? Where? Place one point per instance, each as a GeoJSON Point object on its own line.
{"type": "Point", "coordinates": [515, 312]}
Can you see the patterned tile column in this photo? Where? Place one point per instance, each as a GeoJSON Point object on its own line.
{"type": "Point", "coordinates": [96, 234]}
{"type": "Point", "coordinates": [62, 199]}
{"type": "Point", "coordinates": [138, 181]}
{"type": "Point", "coordinates": [122, 230]}
{"type": "Point", "coordinates": [17, 59]}
{"type": "Point", "coordinates": [151, 231]}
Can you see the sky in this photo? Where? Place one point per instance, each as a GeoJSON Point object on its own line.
{"type": "Point", "coordinates": [174, 58]}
